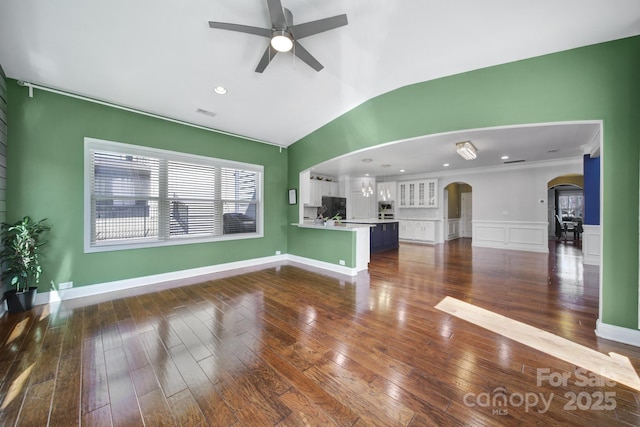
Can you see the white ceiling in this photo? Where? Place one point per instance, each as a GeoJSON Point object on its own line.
{"type": "Point", "coordinates": [160, 56]}
{"type": "Point", "coordinates": [532, 143]}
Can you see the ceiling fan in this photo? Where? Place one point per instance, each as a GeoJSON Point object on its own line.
{"type": "Point", "coordinates": [284, 35]}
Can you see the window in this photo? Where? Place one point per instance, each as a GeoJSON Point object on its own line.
{"type": "Point", "coordinates": [571, 205]}
{"type": "Point", "coordinates": [140, 197]}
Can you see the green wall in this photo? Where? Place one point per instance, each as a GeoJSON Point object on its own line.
{"type": "Point", "coordinates": [45, 179]}
{"type": "Point", "coordinates": [597, 82]}
{"type": "Point", "coordinates": [328, 245]}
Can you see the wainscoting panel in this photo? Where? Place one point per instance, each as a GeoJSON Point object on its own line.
{"type": "Point", "coordinates": [591, 245]}
{"type": "Point", "coordinates": [515, 235]}
{"type": "Point", "coordinates": [453, 228]}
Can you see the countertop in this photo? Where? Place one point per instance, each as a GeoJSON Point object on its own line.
{"type": "Point", "coordinates": [372, 221]}
{"type": "Point", "coordinates": [341, 227]}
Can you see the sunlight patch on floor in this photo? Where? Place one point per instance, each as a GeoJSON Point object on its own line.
{"type": "Point", "coordinates": [612, 366]}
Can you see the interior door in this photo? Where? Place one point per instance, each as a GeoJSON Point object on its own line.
{"type": "Point", "coordinates": [466, 214]}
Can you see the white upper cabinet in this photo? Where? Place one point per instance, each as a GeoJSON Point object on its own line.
{"type": "Point", "coordinates": [418, 194]}
{"type": "Point", "coordinates": [319, 188]}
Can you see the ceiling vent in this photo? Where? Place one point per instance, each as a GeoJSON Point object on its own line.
{"type": "Point", "coordinates": [206, 112]}
{"type": "Point", "coordinates": [513, 161]}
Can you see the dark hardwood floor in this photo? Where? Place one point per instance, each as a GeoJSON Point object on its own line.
{"type": "Point", "coordinates": [287, 346]}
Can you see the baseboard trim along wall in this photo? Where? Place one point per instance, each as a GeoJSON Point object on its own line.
{"type": "Point", "coordinates": [182, 277]}
{"type": "Point", "coordinates": [513, 235]}
{"type": "Point", "coordinates": [324, 265]}
{"type": "Point", "coordinates": [618, 333]}
{"type": "Point", "coordinates": [120, 285]}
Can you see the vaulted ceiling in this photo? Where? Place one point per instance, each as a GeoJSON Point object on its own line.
{"type": "Point", "coordinates": [162, 57]}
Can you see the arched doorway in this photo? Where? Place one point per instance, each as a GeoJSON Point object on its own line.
{"type": "Point", "coordinates": [457, 210]}
{"type": "Point", "coordinates": [566, 206]}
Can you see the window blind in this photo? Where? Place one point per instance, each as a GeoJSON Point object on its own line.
{"type": "Point", "coordinates": [136, 197]}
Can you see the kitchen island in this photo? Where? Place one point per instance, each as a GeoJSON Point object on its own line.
{"type": "Point", "coordinates": [348, 247]}
{"type": "Point", "coordinates": [383, 233]}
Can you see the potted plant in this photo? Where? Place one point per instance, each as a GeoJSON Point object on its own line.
{"type": "Point", "coordinates": [21, 243]}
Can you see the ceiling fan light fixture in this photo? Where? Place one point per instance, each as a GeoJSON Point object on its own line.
{"type": "Point", "coordinates": [466, 150]}
{"type": "Point", "coordinates": [281, 41]}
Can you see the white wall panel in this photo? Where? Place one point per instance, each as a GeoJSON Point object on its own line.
{"type": "Point", "coordinates": [515, 235]}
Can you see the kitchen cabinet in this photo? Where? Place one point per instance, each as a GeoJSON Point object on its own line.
{"type": "Point", "coordinates": [418, 194]}
{"type": "Point", "coordinates": [329, 188]}
{"type": "Point", "coordinates": [319, 188]}
{"type": "Point", "coordinates": [384, 236]}
{"type": "Point", "coordinates": [423, 231]}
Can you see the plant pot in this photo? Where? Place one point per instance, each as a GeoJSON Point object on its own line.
{"type": "Point", "coordinates": [18, 302]}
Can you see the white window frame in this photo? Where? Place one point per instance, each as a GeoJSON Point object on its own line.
{"type": "Point", "coordinates": [93, 144]}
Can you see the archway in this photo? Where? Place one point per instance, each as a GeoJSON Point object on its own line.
{"type": "Point", "coordinates": [457, 210]}
{"type": "Point", "coordinates": [566, 206]}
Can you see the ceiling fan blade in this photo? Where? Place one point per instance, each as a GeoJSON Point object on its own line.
{"type": "Point", "coordinates": [304, 54]}
{"type": "Point", "coordinates": [264, 32]}
{"type": "Point", "coordinates": [266, 58]}
{"type": "Point", "coordinates": [321, 25]}
{"type": "Point", "coordinates": [276, 13]}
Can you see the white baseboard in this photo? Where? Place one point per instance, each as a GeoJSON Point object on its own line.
{"type": "Point", "coordinates": [190, 276]}
{"type": "Point", "coordinates": [120, 285]}
{"type": "Point", "coordinates": [324, 265]}
{"type": "Point", "coordinates": [618, 333]}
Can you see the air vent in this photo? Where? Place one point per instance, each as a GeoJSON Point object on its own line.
{"type": "Point", "coordinates": [206, 112]}
{"type": "Point", "coordinates": [513, 161]}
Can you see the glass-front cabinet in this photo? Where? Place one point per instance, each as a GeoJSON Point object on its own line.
{"type": "Point", "coordinates": [418, 194]}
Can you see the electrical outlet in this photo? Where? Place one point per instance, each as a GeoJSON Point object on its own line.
{"type": "Point", "coordinates": [278, 252]}
{"type": "Point", "coordinates": [342, 262]}
{"type": "Point", "coordinates": [65, 285]}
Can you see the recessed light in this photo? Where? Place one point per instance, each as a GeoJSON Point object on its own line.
{"type": "Point", "coordinates": [367, 160]}
{"type": "Point", "coordinates": [446, 165]}
{"type": "Point", "coordinates": [366, 174]}
{"type": "Point", "coordinates": [401, 170]}
{"type": "Point", "coordinates": [220, 90]}
{"type": "Point", "coordinates": [504, 157]}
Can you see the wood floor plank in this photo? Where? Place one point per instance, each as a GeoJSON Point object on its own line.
{"type": "Point", "coordinates": [164, 368]}
{"type": "Point", "coordinates": [65, 409]}
{"type": "Point", "coordinates": [37, 404]}
{"type": "Point", "coordinates": [99, 418]}
{"type": "Point", "coordinates": [185, 409]}
{"type": "Point", "coordinates": [211, 404]}
{"type": "Point", "coordinates": [125, 410]}
{"type": "Point", "coordinates": [94, 376]}
{"type": "Point", "coordinates": [155, 409]}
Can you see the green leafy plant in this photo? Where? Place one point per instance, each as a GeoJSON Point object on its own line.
{"type": "Point", "coordinates": [21, 243]}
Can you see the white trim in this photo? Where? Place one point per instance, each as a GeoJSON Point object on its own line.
{"type": "Point", "coordinates": [93, 144]}
{"type": "Point", "coordinates": [600, 272]}
{"type": "Point", "coordinates": [121, 285]}
{"type": "Point", "coordinates": [324, 265]}
{"type": "Point", "coordinates": [183, 277]}
{"type": "Point", "coordinates": [512, 235]}
{"type": "Point", "coordinates": [617, 333]}
{"type": "Point", "coordinates": [591, 244]}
